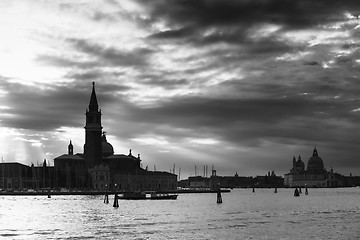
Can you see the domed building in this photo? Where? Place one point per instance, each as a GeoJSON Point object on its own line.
{"type": "Point", "coordinates": [315, 174]}
{"type": "Point", "coordinates": [106, 148]}
{"type": "Point", "coordinates": [299, 165]}
{"type": "Point", "coordinates": [99, 168]}
{"type": "Point", "coordinates": [315, 163]}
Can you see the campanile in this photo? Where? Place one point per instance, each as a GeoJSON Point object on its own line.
{"type": "Point", "coordinates": [93, 130]}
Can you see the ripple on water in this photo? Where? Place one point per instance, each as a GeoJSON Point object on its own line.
{"type": "Point", "coordinates": [242, 215]}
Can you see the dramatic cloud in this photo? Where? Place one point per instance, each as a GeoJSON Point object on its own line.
{"type": "Point", "coordinates": [242, 85]}
{"type": "Point", "coordinates": [112, 56]}
{"type": "Point", "coordinates": [294, 14]}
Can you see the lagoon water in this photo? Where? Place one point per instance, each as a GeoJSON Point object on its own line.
{"type": "Point", "coordinates": [323, 214]}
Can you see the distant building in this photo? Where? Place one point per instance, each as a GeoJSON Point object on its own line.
{"type": "Point", "coordinates": [99, 168]}
{"type": "Point", "coordinates": [315, 174]}
{"type": "Point", "coordinates": [198, 182]}
{"type": "Point", "coordinates": [17, 176]}
{"type": "Point", "coordinates": [236, 181]}
{"type": "Point", "coordinates": [269, 181]}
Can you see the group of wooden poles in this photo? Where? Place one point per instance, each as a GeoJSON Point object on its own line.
{"type": "Point", "coordinates": [116, 200]}
{"type": "Point", "coordinates": [218, 200]}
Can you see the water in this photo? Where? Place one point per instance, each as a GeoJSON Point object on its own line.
{"type": "Point", "coordinates": [323, 214]}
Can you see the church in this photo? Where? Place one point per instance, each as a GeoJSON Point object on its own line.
{"type": "Point", "coordinates": [315, 175]}
{"type": "Point", "coordinates": [99, 168]}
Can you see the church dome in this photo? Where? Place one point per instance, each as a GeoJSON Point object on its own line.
{"type": "Point", "coordinates": [107, 148]}
{"type": "Point", "coordinates": [315, 163]}
{"type": "Point", "coordinates": [300, 163]}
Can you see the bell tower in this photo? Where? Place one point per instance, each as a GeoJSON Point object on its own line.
{"type": "Point", "coordinates": [93, 130]}
{"type": "Point", "coordinates": [70, 149]}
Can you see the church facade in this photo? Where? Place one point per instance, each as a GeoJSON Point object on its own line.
{"type": "Point", "coordinates": [99, 168]}
{"type": "Point", "coordinates": [315, 175]}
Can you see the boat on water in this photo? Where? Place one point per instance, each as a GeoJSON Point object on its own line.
{"type": "Point", "coordinates": [133, 196]}
{"type": "Point", "coordinates": [143, 196]}
{"type": "Point", "coordinates": [163, 196]}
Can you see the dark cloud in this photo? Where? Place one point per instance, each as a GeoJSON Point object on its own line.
{"type": "Point", "coordinates": [270, 45]}
{"type": "Point", "coordinates": [112, 56]}
{"type": "Point", "coordinates": [49, 108]}
{"type": "Point", "coordinates": [311, 63]}
{"type": "Point", "coordinates": [293, 14]}
{"type": "Point", "coordinates": [246, 119]}
{"type": "Point", "coordinates": [207, 22]}
{"type": "Point", "coordinates": [215, 112]}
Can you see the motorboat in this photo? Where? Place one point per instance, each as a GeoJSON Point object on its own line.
{"type": "Point", "coordinates": [163, 196]}
{"type": "Point", "coordinates": [133, 196]}
{"type": "Point", "coordinates": [138, 195]}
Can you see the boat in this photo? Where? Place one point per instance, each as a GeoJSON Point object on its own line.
{"type": "Point", "coordinates": [133, 196]}
{"type": "Point", "coordinates": [163, 196]}
{"type": "Point", "coordinates": [137, 195]}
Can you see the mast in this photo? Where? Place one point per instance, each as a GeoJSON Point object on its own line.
{"type": "Point", "coordinates": [3, 172]}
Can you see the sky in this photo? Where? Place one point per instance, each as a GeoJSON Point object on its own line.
{"type": "Point", "coordinates": [243, 86]}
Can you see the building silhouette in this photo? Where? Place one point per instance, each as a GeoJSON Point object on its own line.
{"type": "Point", "coordinates": [17, 176]}
{"type": "Point", "coordinates": [96, 168]}
{"type": "Point", "coordinates": [315, 175]}
{"type": "Point", "coordinates": [93, 130]}
{"type": "Point", "coordinates": [215, 181]}
{"type": "Point", "coordinates": [99, 168]}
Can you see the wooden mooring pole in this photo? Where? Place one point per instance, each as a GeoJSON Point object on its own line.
{"type": "Point", "coordinates": [106, 199]}
{"type": "Point", "coordinates": [219, 198]}
{"type": "Point", "coordinates": [116, 202]}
